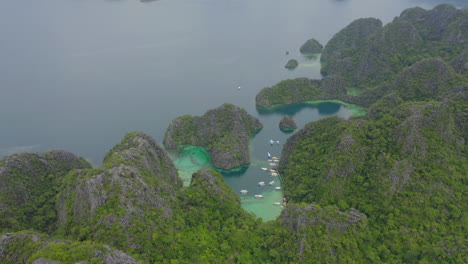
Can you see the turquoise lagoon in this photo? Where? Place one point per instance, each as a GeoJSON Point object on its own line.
{"type": "Point", "coordinates": [192, 158]}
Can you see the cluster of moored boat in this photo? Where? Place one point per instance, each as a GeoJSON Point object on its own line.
{"type": "Point", "coordinates": [273, 163]}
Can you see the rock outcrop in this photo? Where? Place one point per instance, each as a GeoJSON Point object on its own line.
{"type": "Point", "coordinates": [131, 196]}
{"type": "Point", "coordinates": [291, 64]}
{"type": "Point", "coordinates": [31, 247]}
{"type": "Point", "coordinates": [224, 132]}
{"type": "Point", "coordinates": [311, 46]}
{"type": "Point", "coordinates": [28, 186]}
{"type": "Point", "coordinates": [287, 124]}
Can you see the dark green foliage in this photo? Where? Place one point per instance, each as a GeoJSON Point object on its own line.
{"type": "Point", "coordinates": [127, 202]}
{"type": "Point", "coordinates": [28, 185]}
{"type": "Point", "coordinates": [27, 247]}
{"type": "Point", "coordinates": [287, 92]}
{"type": "Point", "coordinates": [404, 166]}
{"type": "Point", "coordinates": [430, 78]}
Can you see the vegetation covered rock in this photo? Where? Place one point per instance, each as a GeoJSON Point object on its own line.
{"type": "Point", "coordinates": [368, 59]}
{"type": "Point", "coordinates": [291, 64]}
{"type": "Point", "coordinates": [287, 124]}
{"type": "Point", "coordinates": [28, 185]}
{"type": "Point", "coordinates": [224, 132]}
{"type": "Point", "coordinates": [311, 46]}
{"type": "Point", "coordinates": [31, 247]}
{"type": "Point", "coordinates": [287, 92]}
{"type": "Point", "coordinates": [124, 202]}
{"type": "Point", "coordinates": [403, 166]}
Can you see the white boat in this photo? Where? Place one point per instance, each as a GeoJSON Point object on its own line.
{"type": "Point", "coordinates": [275, 161]}
{"type": "Point", "coordinates": [277, 203]}
{"type": "Point", "coordinates": [244, 191]}
{"type": "Point", "coordinates": [272, 164]}
{"type": "Point", "coordinates": [264, 169]}
{"type": "Point", "coordinates": [270, 160]}
{"type": "Point", "coordinates": [275, 158]}
{"type": "Point", "coordinates": [261, 183]}
{"type": "Point", "coordinates": [258, 196]}
{"type": "Point", "coordinates": [272, 182]}
{"type": "Point", "coordinates": [272, 142]}
{"type": "Point", "coordinates": [273, 171]}
{"type": "Point", "coordinates": [274, 174]}
{"type": "Point", "coordinates": [278, 188]}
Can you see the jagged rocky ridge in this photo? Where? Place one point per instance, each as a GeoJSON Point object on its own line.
{"type": "Point", "coordinates": [132, 196]}
{"type": "Point", "coordinates": [224, 132]}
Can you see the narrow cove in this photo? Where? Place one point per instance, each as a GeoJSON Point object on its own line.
{"type": "Point", "coordinates": [189, 159]}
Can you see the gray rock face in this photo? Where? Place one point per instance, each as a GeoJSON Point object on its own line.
{"type": "Point", "coordinates": [443, 23]}
{"type": "Point", "coordinates": [460, 63]}
{"type": "Point", "coordinates": [428, 78]}
{"type": "Point", "coordinates": [298, 219]}
{"type": "Point", "coordinates": [138, 183]}
{"type": "Point", "coordinates": [311, 46]}
{"type": "Point", "coordinates": [351, 37]}
{"type": "Point", "coordinates": [26, 182]}
{"type": "Point", "coordinates": [224, 132]}
{"type": "Point", "coordinates": [287, 124]}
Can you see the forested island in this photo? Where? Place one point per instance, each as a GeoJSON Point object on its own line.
{"type": "Point", "coordinates": [224, 132]}
{"type": "Point", "coordinates": [386, 187]}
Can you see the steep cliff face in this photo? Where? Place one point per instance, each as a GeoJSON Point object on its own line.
{"type": "Point", "coordinates": [31, 247]}
{"type": "Point", "coordinates": [28, 184]}
{"type": "Point", "coordinates": [224, 131]}
{"type": "Point", "coordinates": [346, 42]}
{"type": "Point", "coordinates": [126, 200]}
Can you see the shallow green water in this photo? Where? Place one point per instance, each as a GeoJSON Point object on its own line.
{"type": "Point", "coordinates": [189, 160]}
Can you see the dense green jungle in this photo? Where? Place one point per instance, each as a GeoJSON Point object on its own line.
{"type": "Point", "coordinates": [386, 187]}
